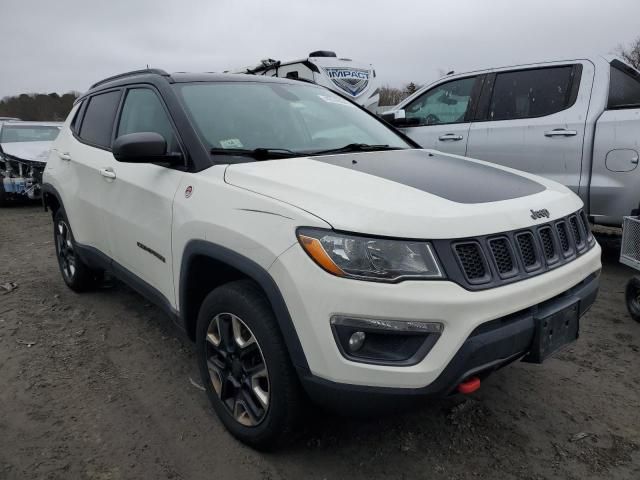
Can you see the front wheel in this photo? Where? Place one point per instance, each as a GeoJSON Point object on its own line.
{"type": "Point", "coordinates": [632, 295]}
{"type": "Point", "coordinates": [245, 366]}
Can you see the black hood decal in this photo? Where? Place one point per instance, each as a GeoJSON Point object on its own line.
{"type": "Point", "coordinates": [451, 178]}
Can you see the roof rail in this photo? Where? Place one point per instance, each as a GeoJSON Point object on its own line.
{"type": "Point", "coordinates": [156, 71]}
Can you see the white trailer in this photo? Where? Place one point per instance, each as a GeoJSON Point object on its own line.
{"type": "Point", "coordinates": [354, 79]}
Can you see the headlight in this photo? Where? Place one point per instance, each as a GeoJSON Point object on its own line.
{"type": "Point", "coordinates": [368, 258]}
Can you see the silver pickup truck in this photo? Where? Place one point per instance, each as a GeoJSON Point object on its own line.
{"type": "Point", "coordinates": [573, 121]}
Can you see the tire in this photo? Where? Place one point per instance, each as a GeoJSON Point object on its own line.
{"type": "Point", "coordinates": [236, 331]}
{"type": "Point", "coordinates": [632, 295]}
{"type": "Point", "coordinates": [78, 276]}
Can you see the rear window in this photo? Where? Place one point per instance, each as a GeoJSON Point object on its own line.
{"type": "Point", "coordinates": [531, 93]}
{"type": "Point", "coordinates": [624, 86]}
{"type": "Point", "coordinates": [97, 123]}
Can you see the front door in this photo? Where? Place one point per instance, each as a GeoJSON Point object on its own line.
{"type": "Point", "coordinates": [439, 117]}
{"type": "Point", "coordinates": [139, 209]}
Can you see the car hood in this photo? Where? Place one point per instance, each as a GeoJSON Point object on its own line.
{"type": "Point", "coordinates": [408, 193]}
{"type": "Point", "coordinates": [32, 151]}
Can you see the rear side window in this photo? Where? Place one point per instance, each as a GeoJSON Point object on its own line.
{"type": "Point", "coordinates": [97, 123]}
{"type": "Point", "coordinates": [624, 86]}
{"type": "Point", "coordinates": [75, 123]}
{"type": "Point", "coordinates": [531, 93]}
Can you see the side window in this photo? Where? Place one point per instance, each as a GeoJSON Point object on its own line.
{"type": "Point", "coordinates": [143, 112]}
{"type": "Point", "coordinates": [446, 103]}
{"type": "Point", "coordinates": [97, 124]}
{"type": "Point", "coordinates": [624, 86]}
{"type": "Point", "coordinates": [531, 93]}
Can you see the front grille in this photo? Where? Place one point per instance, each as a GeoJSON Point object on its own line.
{"type": "Point", "coordinates": [489, 261]}
{"type": "Point", "coordinates": [472, 261]}
{"type": "Point", "coordinates": [502, 255]}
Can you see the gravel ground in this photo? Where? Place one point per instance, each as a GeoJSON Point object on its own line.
{"type": "Point", "coordinates": [101, 386]}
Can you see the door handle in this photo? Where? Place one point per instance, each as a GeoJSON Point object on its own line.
{"type": "Point", "coordinates": [108, 173]}
{"type": "Point", "coordinates": [560, 132]}
{"type": "Point", "coordinates": [450, 136]}
{"type": "Point", "coordinates": [64, 156]}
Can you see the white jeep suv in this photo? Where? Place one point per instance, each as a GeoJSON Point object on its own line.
{"type": "Point", "coordinates": [308, 248]}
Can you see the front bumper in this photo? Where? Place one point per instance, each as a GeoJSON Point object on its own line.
{"type": "Point", "coordinates": [490, 346]}
{"type": "Point", "coordinates": [314, 296]}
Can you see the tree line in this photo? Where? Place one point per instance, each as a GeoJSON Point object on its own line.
{"type": "Point", "coordinates": [38, 106]}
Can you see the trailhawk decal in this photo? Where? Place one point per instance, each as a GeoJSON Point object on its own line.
{"type": "Point", "coordinates": [354, 81]}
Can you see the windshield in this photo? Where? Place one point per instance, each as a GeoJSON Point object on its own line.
{"type": "Point", "coordinates": [298, 118]}
{"type": "Point", "coordinates": [28, 133]}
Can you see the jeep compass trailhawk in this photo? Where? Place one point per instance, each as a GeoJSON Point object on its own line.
{"type": "Point", "coordinates": [309, 249]}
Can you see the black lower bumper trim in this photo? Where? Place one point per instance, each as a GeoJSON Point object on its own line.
{"type": "Point", "coordinates": [490, 346]}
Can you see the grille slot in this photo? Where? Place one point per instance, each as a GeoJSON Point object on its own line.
{"type": "Point", "coordinates": [527, 250]}
{"type": "Point", "coordinates": [563, 235]}
{"type": "Point", "coordinates": [548, 244]}
{"type": "Point", "coordinates": [576, 231]}
{"type": "Point", "coordinates": [503, 256]}
{"type": "Point", "coordinates": [586, 227]}
{"type": "Point", "coordinates": [472, 262]}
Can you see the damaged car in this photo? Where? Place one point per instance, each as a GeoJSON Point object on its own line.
{"type": "Point", "coordinates": [24, 148]}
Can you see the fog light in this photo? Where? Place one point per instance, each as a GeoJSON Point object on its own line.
{"type": "Point", "coordinates": [356, 340]}
{"type": "Point", "coordinates": [384, 341]}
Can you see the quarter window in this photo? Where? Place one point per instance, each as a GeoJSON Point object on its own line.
{"type": "Point", "coordinates": [624, 86]}
{"type": "Point", "coordinates": [531, 93]}
{"type": "Point", "coordinates": [143, 112]}
{"type": "Point", "coordinates": [97, 124]}
{"type": "Point", "coordinates": [446, 103]}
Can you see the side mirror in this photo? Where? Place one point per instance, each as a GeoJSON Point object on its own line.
{"type": "Point", "coordinates": [398, 118]}
{"type": "Point", "coordinates": [143, 147]}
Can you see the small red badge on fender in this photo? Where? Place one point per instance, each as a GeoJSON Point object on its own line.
{"type": "Point", "coordinates": [188, 191]}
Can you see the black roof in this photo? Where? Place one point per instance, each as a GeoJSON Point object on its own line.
{"type": "Point", "coordinates": [154, 75]}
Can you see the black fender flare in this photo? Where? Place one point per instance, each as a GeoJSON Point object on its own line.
{"type": "Point", "coordinates": [48, 189]}
{"type": "Point", "coordinates": [258, 274]}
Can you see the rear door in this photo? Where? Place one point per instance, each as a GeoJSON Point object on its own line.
{"type": "Point", "coordinates": [615, 180]}
{"type": "Point", "coordinates": [440, 117]}
{"type": "Point", "coordinates": [139, 202]}
{"type": "Point", "coordinates": [84, 157]}
{"type": "Point", "coordinates": [534, 120]}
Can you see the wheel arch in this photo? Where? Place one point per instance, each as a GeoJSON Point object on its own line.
{"type": "Point", "coordinates": [203, 256]}
{"type": "Point", "coordinates": [51, 199]}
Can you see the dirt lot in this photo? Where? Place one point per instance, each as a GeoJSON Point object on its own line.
{"type": "Point", "coordinates": [101, 386]}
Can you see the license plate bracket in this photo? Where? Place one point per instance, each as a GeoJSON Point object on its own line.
{"type": "Point", "coordinates": [553, 332]}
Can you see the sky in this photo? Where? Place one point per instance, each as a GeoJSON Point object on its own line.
{"type": "Point", "coordinates": [66, 45]}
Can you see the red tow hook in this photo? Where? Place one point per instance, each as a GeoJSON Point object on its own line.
{"type": "Point", "coordinates": [470, 385]}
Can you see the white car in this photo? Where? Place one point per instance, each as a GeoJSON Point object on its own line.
{"type": "Point", "coordinates": [24, 149]}
{"type": "Point", "coordinates": [307, 247]}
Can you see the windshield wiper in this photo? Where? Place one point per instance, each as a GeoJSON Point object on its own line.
{"type": "Point", "coordinates": [256, 153]}
{"type": "Point", "coordinates": [356, 147]}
